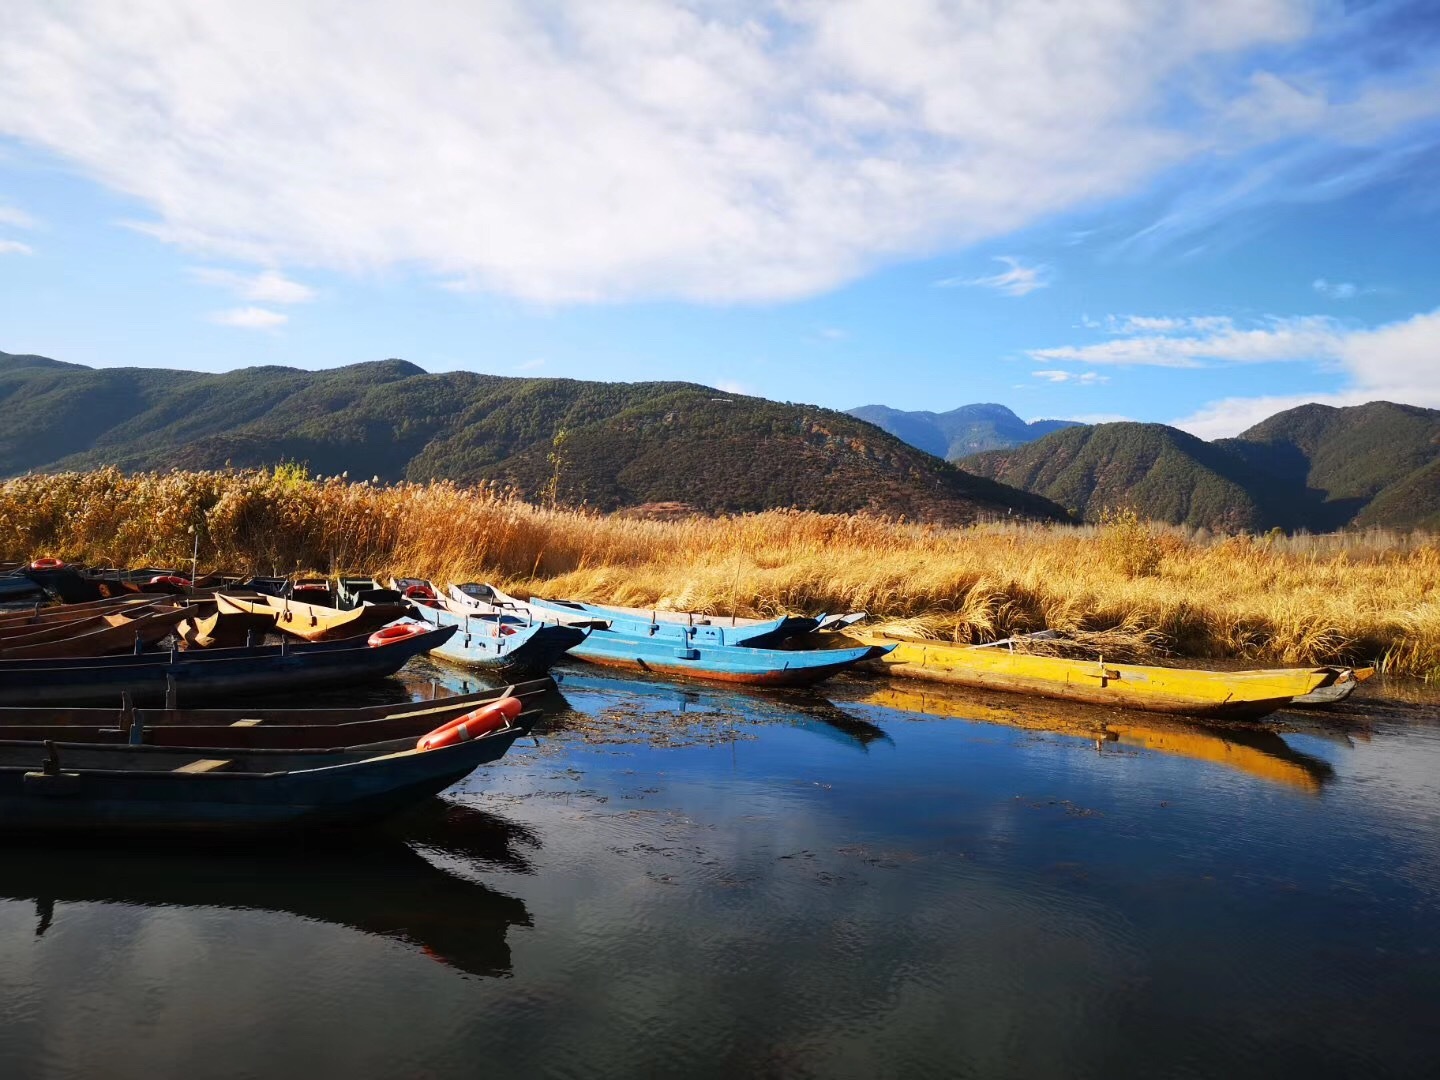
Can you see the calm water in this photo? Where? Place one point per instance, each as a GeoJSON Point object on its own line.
{"type": "Point", "coordinates": [679, 881]}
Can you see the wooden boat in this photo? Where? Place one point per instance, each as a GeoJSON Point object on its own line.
{"type": "Point", "coordinates": [75, 584]}
{"type": "Point", "coordinates": [488, 600]}
{"type": "Point", "coordinates": [209, 673]}
{"type": "Point", "coordinates": [501, 647]}
{"type": "Point", "coordinates": [52, 615]}
{"type": "Point", "coordinates": [15, 586]}
{"type": "Point", "coordinates": [1347, 681]}
{"type": "Point", "coordinates": [674, 652]}
{"type": "Point", "coordinates": [351, 592]}
{"type": "Point", "coordinates": [257, 728]}
{"type": "Point", "coordinates": [99, 636]}
{"type": "Point", "coordinates": [1262, 754]}
{"type": "Point", "coordinates": [374, 883]}
{"type": "Point", "coordinates": [312, 621]}
{"type": "Point", "coordinates": [223, 629]}
{"type": "Point", "coordinates": [61, 621]}
{"type": "Point", "coordinates": [97, 789]}
{"type": "Point", "coordinates": [697, 626]}
{"type": "Point", "coordinates": [317, 591]}
{"type": "Point", "coordinates": [1135, 686]}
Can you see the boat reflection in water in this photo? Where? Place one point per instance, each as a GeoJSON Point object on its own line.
{"type": "Point", "coordinates": [380, 886]}
{"type": "Point", "coordinates": [1257, 751]}
{"type": "Point", "coordinates": [798, 708]}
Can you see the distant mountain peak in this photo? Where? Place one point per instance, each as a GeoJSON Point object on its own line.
{"type": "Point", "coordinates": [966, 430]}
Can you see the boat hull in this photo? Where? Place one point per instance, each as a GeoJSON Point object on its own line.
{"type": "Point", "coordinates": [143, 789]}
{"type": "Point", "coordinates": [313, 622]}
{"type": "Point", "coordinates": [207, 674]}
{"type": "Point", "coordinates": [744, 665]}
{"type": "Point", "coordinates": [519, 652]}
{"type": "Point", "coordinates": [1235, 695]}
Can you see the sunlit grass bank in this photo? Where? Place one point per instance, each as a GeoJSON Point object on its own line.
{"type": "Point", "coordinates": [1371, 596]}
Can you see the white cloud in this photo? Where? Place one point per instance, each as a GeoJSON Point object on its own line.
{"type": "Point", "coordinates": [1394, 362]}
{"type": "Point", "coordinates": [16, 218]}
{"type": "Point", "coordinates": [1336, 290]}
{"type": "Point", "coordinates": [531, 365]}
{"type": "Point", "coordinates": [15, 247]}
{"type": "Point", "coordinates": [612, 149]}
{"type": "Point", "coordinates": [250, 318]}
{"type": "Point", "coordinates": [1079, 378]}
{"type": "Point", "coordinates": [1208, 338]}
{"type": "Point", "coordinates": [267, 287]}
{"type": "Point", "coordinates": [1016, 280]}
{"type": "Point", "coordinates": [730, 386]}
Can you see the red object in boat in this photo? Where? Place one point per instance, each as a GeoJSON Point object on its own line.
{"type": "Point", "coordinates": [48, 564]}
{"type": "Point", "coordinates": [388, 635]}
{"type": "Point", "coordinates": [472, 725]}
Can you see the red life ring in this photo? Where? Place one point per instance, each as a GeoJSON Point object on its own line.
{"type": "Point", "coordinates": [48, 564]}
{"type": "Point", "coordinates": [419, 592]}
{"type": "Point", "coordinates": [482, 721]}
{"type": "Point", "coordinates": [395, 632]}
{"type": "Point", "coordinates": [170, 579]}
{"type": "Point", "coordinates": [313, 586]}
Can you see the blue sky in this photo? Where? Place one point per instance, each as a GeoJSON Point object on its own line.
{"type": "Point", "coordinates": [1188, 212]}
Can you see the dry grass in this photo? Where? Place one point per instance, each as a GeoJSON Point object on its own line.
{"type": "Point", "coordinates": [1348, 597]}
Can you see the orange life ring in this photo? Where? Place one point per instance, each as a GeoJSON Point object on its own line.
{"type": "Point", "coordinates": [388, 635]}
{"type": "Point", "coordinates": [48, 564]}
{"type": "Point", "coordinates": [170, 579]}
{"type": "Point", "coordinates": [482, 721]}
{"type": "Point", "coordinates": [419, 592]}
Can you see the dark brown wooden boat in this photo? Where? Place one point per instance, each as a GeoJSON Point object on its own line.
{"type": "Point", "coordinates": [39, 615]}
{"type": "Point", "coordinates": [276, 729]}
{"type": "Point", "coordinates": [104, 635]}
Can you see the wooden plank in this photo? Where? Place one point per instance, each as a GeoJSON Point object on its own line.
{"type": "Point", "coordinates": [203, 765]}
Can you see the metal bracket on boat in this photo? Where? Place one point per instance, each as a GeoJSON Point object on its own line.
{"type": "Point", "coordinates": [51, 779]}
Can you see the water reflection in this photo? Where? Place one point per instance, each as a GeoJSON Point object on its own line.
{"type": "Point", "coordinates": [1257, 751]}
{"type": "Point", "coordinates": [379, 886]}
{"type": "Point", "coordinates": [802, 709]}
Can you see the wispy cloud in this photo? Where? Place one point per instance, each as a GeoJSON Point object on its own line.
{"type": "Point", "coordinates": [250, 318]}
{"type": "Point", "coordinates": [719, 152]}
{"type": "Point", "coordinates": [1016, 279]}
{"type": "Point", "coordinates": [266, 287]}
{"type": "Point", "coordinates": [15, 247]}
{"type": "Point", "coordinates": [1192, 342]}
{"type": "Point", "coordinates": [531, 365]}
{"type": "Point", "coordinates": [1336, 290]}
{"type": "Point", "coordinates": [1079, 378]}
{"type": "Point", "coordinates": [16, 218]}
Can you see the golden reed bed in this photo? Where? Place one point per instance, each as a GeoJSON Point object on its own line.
{"type": "Point", "coordinates": [1293, 600]}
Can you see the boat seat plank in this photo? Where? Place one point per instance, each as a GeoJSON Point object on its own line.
{"type": "Point", "coordinates": [247, 723]}
{"type": "Point", "coordinates": [203, 765]}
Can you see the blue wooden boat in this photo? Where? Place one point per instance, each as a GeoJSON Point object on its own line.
{"type": "Point", "coordinates": [676, 653]}
{"type": "Point", "coordinates": [697, 627]}
{"type": "Point", "coordinates": [95, 789]}
{"type": "Point", "coordinates": [208, 673]}
{"type": "Point", "coordinates": [505, 648]}
{"type": "Point", "coordinates": [16, 587]}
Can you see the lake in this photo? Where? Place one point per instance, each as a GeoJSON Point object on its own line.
{"type": "Point", "coordinates": [878, 879]}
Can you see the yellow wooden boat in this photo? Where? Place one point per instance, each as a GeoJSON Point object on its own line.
{"type": "Point", "coordinates": [1257, 752]}
{"type": "Point", "coordinates": [1237, 694]}
{"type": "Point", "coordinates": [311, 621]}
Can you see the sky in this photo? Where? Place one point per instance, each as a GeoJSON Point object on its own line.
{"type": "Point", "coordinates": [1196, 213]}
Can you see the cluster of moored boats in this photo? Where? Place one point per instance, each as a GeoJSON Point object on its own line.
{"type": "Point", "coordinates": [95, 668]}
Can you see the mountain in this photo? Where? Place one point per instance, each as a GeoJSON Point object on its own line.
{"type": "Point", "coordinates": [1315, 467]}
{"type": "Point", "coordinates": [625, 444]}
{"type": "Point", "coordinates": [970, 429]}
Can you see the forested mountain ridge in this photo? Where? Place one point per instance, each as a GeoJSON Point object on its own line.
{"type": "Point", "coordinates": [624, 444]}
{"type": "Point", "coordinates": [1315, 467]}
